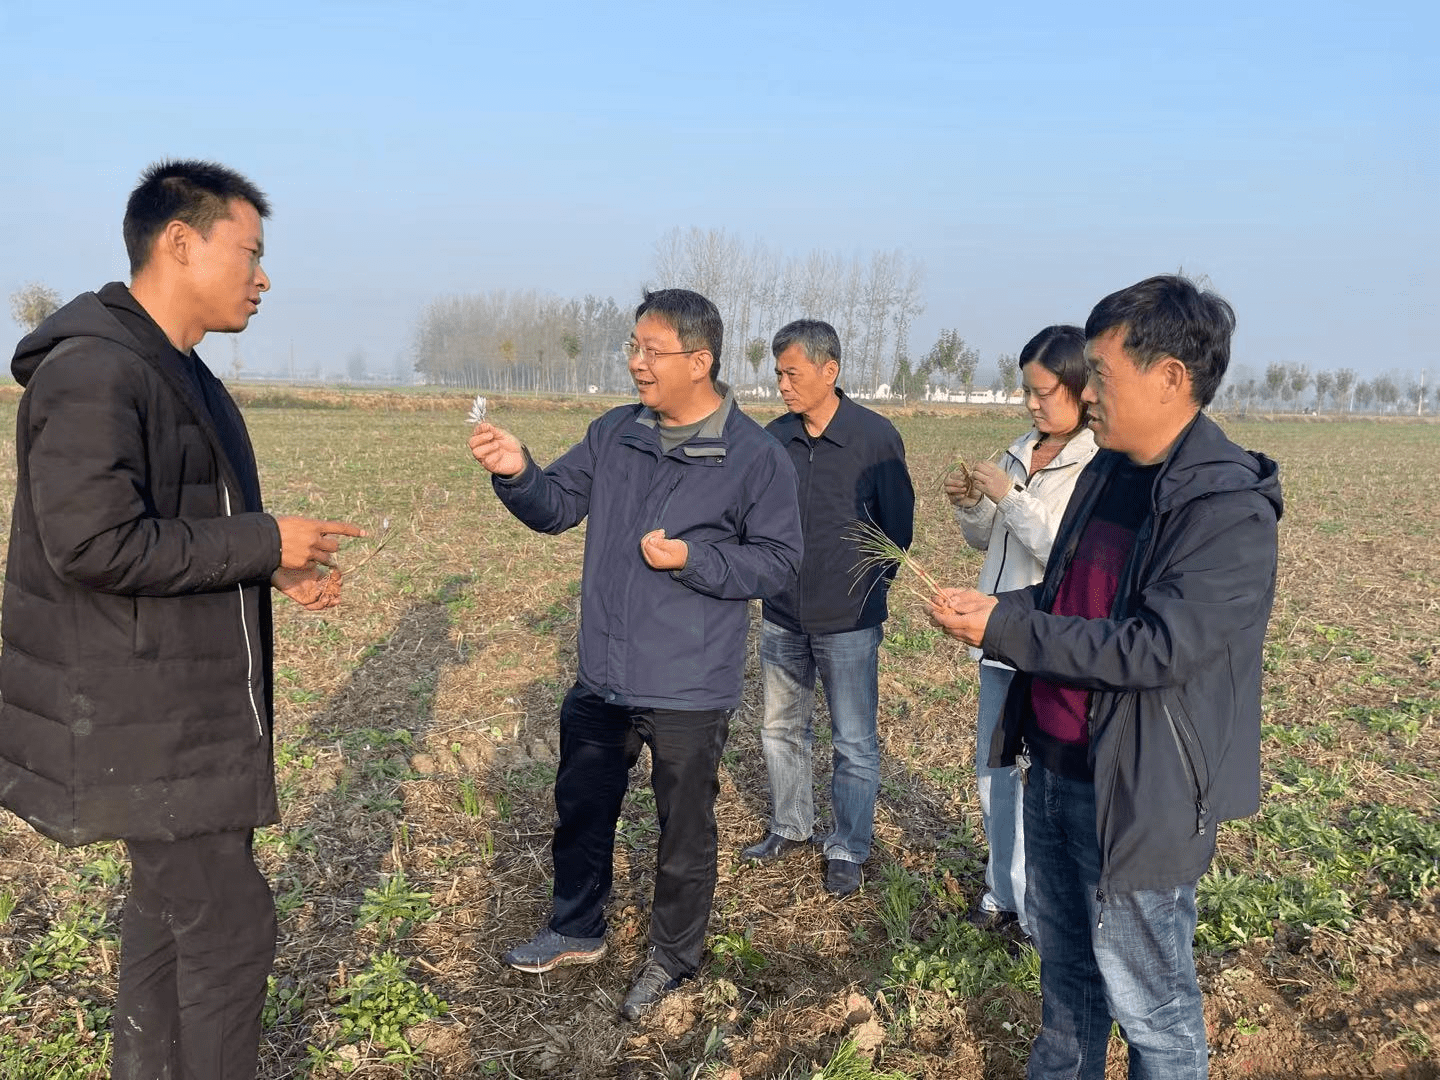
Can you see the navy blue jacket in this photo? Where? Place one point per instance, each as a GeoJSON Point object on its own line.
{"type": "Point", "coordinates": [854, 471]}
{"type": "Point", "coordinates": [656, 638]}
{"type": "Point", "coordinates": [1174, 671]}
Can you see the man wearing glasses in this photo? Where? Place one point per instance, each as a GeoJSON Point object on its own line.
{"type": "Point", "coordinates": [691, 512]}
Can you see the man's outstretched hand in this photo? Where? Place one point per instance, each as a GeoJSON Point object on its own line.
{"type": "Point", "coordinates": [498, 450]}
{"type": "Point", "coordinates": [306, 543]}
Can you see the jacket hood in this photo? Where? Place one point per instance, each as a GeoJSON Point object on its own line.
{"type": "Point", "coordinates": [85, 316]}
{"type": "Point", "coordinates": [1205, 462]}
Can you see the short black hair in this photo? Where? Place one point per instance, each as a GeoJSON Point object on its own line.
{"type": "Point", "coordinates": [817, 338]}
{"type": "Point", "coordinates": [198, 193]}
{"type": "Point", "coordinates": [1168, 316]}
{"type": "Point", "coordinates": [1060, 350]}
{"type": "Point", "coordinates": [695, 320]}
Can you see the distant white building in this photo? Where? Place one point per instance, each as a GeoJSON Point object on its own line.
{"type": "Point", "coordinates": [975, 397]}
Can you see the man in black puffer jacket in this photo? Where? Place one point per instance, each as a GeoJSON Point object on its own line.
{"type": "Point", "coordinates": [136, 672]}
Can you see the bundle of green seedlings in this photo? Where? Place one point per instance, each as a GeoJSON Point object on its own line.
{"type": "Point", "coordinates": [966, 473]}
{"type": "Point", "coordinates": [876, 549]}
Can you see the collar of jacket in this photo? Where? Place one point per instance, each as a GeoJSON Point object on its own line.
{"type": "Point", "coordinates": [712, 430]}
{"type": "Point", "coordinates": [843, 426]}
{"type": "Point", "coordinates": [1078, 446]}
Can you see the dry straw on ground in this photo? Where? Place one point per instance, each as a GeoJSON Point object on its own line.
{"type": "Point", "coordinates": [416, 732]}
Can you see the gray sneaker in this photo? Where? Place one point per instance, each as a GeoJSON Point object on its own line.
{"type": "Point", "coordinates": [548, 950]}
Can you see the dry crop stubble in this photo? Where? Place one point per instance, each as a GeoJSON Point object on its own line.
{"type": "Point", "coordinates": [445, 663]}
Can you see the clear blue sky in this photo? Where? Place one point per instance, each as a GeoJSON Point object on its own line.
{"type": "Point", "coordinates": [1034, 157]}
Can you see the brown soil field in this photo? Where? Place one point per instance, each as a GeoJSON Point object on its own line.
{"type": "Point", "coordinates": [416, 740]}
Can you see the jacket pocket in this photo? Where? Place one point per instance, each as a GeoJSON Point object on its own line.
{"type": "Point", "coordinates": [1192, 758]}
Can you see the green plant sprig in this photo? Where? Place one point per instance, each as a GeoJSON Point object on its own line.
{"type": "Point", "coordinates": [385, 533]}
{"type": "Point", "coordinates": [965, 470]}
{"type": "Point", "coordinates": [877, 550]}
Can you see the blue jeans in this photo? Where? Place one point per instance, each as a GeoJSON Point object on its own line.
{"type": "Point", "coordinates": [1000, 804]}
{"type": "Point", "coordinates": [1137, 965]}
{"type": "Point", "coordinates": [848, 666]}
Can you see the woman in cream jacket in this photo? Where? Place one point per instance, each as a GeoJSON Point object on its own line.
{"type": "Point", "coordinates": [1011, 511]}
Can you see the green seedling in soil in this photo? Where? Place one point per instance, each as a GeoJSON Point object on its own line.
{"type": "Point", "coordinates": [737, 949]}
{"type": "Point", "coordinates": [378, 739]}
{"type": "Point", "coordinates": [289, 900]}
{"type": "Point", "coordinates": [1404, 718]}
{"type": "Point", "coordinates": [289, 753]}
{"type": "Point", "coordinates": [1417, 1042]}
{"type": "Point", "coordinates": [848, 1063]}
{"type": "Point", "coordinates": [383, 1002]}
{"type": "Point", "coordinates": [469, 798]}
{"type": "Point", "coordinates": [533, 777]}
{"type": "Point", "coordinates": [7, 905]}
{"type": "Point", "coordinates": [107, 869]}
{"type": "Point", "coordinates": [65, 947]}
{"type": "Point", "coordinates": [381, 803]}
{"type": "Point", "coordinates": [394, 907]}
{"type": "Point", "coordinates": [955, 961]}
{"type": "Point", "coordinates": [899, 900]}
{"type": "Point", "coordinates": [63, 1049]}
{"type": "Point", "coordinates": [1404, 848]}
{"type": "Point", "coordinates": [503, 807]}
{"type": "Point", "coordinates": [1297, 777]}
{"type": "Point", "coordinates": [284, 1003]}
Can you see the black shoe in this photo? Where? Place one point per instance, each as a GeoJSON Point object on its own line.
{"type": "Point", "coordinates": [652, 984]}
{"type": "Point", "coordinates": [773, 847]}
{"type": "Point", "coordinates": [842, 877]}
{"type": "Point", "coordinates": [994, 922]}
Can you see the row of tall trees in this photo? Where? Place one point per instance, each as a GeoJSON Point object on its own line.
{"type": "Point", "coordinates": [523, 341]}
{"type": "Point", "coordinates": [519, 341]}
{"type": "Point", "coordinates": [1295, 388]}
{"type": "Point", "coordinates": [872, 302]}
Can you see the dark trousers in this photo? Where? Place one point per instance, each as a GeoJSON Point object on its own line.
{"type": "Point", "coordinates": [197, 938]}
{"type": "Point", "coordinates": [599, 743]}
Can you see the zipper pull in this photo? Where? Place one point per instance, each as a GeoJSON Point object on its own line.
{"type": "Point", "coordinates": [1201, 810]}
{"type": "Point", "coordinates": [1100, 899]}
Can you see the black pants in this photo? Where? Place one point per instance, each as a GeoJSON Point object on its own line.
{"type": "Point", "coordinates": [197, 938]}
{"type": "Point", "coordinates": [598, 745]}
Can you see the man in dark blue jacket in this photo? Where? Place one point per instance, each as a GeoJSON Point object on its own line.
{"type": "Point", "coordinates": [692, 513]}
{"type": "Point", "coordinates": [1136, 713]}
{"type": "Point", "coordinates": [851, 467]}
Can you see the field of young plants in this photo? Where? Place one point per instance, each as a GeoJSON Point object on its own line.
{"type": "Point", "coordinates": [416, 745]}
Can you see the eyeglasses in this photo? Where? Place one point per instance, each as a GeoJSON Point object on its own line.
{"type": "Point", "coordinates": [633, 349]}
